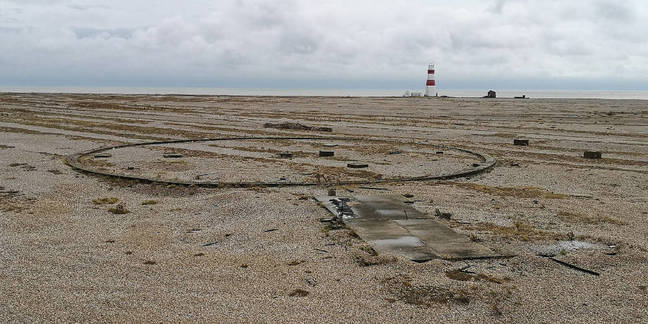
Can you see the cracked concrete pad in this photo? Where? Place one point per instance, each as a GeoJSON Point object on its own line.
{"type": "Point", "coordinates": [393, 227]}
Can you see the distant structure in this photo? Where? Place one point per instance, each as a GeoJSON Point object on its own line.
{"type": "Point", "coordinates": [412, 94]}
{"type": "Point", "coordinates": [430, 85]}
{"type": "Point", "coordinates": [491, 94]}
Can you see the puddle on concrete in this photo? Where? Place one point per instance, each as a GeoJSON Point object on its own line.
{"type": "Point", "coordinates": [564, 246]}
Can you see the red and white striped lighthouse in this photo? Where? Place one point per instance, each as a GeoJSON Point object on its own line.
{"type": "Point", "coordinates": [430, 85]}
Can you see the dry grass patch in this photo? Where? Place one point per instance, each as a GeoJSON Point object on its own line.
{"type": "Point", "coordinates": [518, 192]}
{"type": "Point", "coordinates": [519, 231]}
{"type": "Point", "coordinates": [576, 218]}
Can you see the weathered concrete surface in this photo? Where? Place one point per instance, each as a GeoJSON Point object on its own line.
{"type": "Point", "coordinates": [393, 227]}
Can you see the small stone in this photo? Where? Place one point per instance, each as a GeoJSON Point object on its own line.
{"type": "Point", "coordinates": [521, 142]}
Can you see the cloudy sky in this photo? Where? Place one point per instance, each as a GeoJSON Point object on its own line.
{"type": "Point", "coordinates": [535, 44]}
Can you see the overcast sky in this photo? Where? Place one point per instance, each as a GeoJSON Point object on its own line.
{"type": "Point", "coordinates": [541, 44]}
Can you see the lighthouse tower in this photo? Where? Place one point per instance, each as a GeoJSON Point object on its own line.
{"type": "Point", "coordinates": [430, 85]}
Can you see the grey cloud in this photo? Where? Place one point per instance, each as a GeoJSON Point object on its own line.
{"type": "Point", "coordinates": [378, 40]}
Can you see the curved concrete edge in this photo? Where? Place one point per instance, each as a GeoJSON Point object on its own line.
{"type": "Point", "coordinates": [74, 162]}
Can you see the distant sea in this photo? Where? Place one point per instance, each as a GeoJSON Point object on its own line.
{"type": "Point", "coordinates": [586, 94]}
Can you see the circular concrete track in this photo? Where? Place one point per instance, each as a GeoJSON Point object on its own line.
{"type": "Point", "coordinates": [487, 162]}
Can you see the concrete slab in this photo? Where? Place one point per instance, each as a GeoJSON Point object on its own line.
{"type": "Point", "coordinates": [393, 227]}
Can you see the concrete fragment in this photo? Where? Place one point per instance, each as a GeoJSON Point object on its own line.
{"type": "Point", "coordinates": [521, 142]}
{"type": "Point", "coordinates": [326, 153]}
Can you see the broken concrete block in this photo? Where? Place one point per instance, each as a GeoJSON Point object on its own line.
{"type": "Point", "coordinates": [592, 155]}
{"type": "Point", "coordinates": [356, 165]}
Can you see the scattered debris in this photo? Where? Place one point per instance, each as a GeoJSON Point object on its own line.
{"type": "Point", "coordinates": [521, 142]}
{"type": "Point", "coordinates": [407, 195]}
{"type": "Point", "coordinates": [296, 262]}
{"type": "Point", "coordinates": [592, 155]}
{"type": "Point", "coordinates": [172, 155]}
{"type": "Point", "coordinates": [569, 265]}
{"type": "Point", "coordinates": [460, 275]}
{"type": "Point", "coordinates": [119, 210]}
{"type": "Point", "coordinates": [441, 214]}
{"type": "Point", "coordinates": [439, 152]}
{"type": "Point", "coordinates": [285, 155]}
{"type": "Point", "coordinates": [271, 230]}
{"type": "Point", "coordinates": [149, 262]}
{"type": "Point", "coordinates": [395, 152]}
{"type": "Point", "coordinates": [210, 244]}
{"type": "Point", "coordinates": [331, 192]}
{"type": "Point", "coordinates": [296, 126]}
{"type": "Point", "coordinates": [149, 202]}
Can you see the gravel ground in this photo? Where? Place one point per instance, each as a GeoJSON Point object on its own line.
{"type": "Point", "coordinates": [67, 254]}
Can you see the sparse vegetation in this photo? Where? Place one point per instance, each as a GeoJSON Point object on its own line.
{"type": "Point", "coordinates": [298, 293]}
{"type": "Point", "coordinates": [105, 201]}
{"type": "Point", "coordinates": [427, 296]}
{"type": "Point", "coordinates": [457, 274]}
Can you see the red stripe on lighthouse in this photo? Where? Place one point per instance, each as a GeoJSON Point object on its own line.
{"type": "Point", "coordinates": [430, 83]}
{"type": "Point", "coordinates": [430, 71]}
